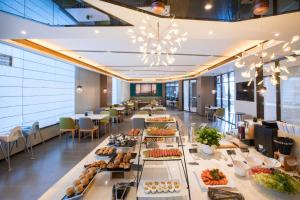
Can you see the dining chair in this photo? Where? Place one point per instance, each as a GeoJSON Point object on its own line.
{"type": "Point", "coordinates": [99, 110]}
{"type": "Point", "coordinates": [105, 122]}
{"type": "Point", "coordinates": [32, 130]}
{"type": "Point", "coordinates": [219, 114]}
{"type": "Point", "coordinates": [138, 123]}
{"type": "Point", "coordinates": [9, 140]}
{"type": "Point", "coordinates": [113, 114]}
{"type": "Point", "coordinates": [66, 125]}
{"type": "Point", "coordinates": [86, 125]}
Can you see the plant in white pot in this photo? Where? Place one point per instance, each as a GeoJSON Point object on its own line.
{"type": "Point", "coordinates": [209, 139]}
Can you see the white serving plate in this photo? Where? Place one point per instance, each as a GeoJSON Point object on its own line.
{"type": "Point", "coordinates": [272, 163]}
{"type": "Point", "coordinates": [202, 185]}
{"type": "Point", "coordinates": [142, 194]}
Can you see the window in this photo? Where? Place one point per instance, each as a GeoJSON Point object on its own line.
{"type": "Point", "coordinates": [34, 88]}
{"type": "Point", "coordinates": [290, 97]}
{"type": "Point", "coordinates": [172, 91]}
{"type": "Point", "coordinates": [225, 93]}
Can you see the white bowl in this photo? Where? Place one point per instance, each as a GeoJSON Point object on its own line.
{"type": "Point", "coordinates": [240, 168]}
{"type": "Point", "coordinates": [272, 163]}
{"type": "Point", "coordinates": [254, 161]}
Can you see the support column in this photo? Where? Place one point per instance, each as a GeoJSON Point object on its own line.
{"type": "Point", "coordinates": [259, 97]}
{"type": "Point", "coordinates": [278, 98]}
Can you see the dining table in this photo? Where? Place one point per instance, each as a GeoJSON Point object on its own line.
{"type": "Point", "coordinates": [211, 110]}
{"type": "Point", "coordinates": [95, 117]}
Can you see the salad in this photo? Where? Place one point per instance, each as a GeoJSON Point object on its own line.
{"type": "Point", "coordinates": [277, 180]}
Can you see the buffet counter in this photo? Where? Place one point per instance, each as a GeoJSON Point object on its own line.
{"type": "Point", "coordinates": [162, 170]}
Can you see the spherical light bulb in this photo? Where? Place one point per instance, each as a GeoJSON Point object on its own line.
{"type": "Point", "coordinates": [208, 6]}
{"type": "Point", "coordinates": [79, 89]}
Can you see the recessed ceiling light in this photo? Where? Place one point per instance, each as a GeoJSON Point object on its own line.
{"type": "Point", "coordinates": [23, 32]}
{"type": "Point", "coordinates": [79, 57]}
{"type": "Point", "coordinates": [96, 31]}
{"type": "Point", "coordinates": [276, 34]}
{"type": "Point", "coordinates": [208, 6]}
{"type": "Point", "coordinates": [210, 32]}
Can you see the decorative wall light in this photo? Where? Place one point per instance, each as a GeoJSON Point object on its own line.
{"type": "Point", "coordinates": [79, 88]}
{"type": "Point", "coordinates": [104, 90]}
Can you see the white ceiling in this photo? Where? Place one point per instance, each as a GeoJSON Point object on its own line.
{"type": "Point", "coordinates": [112, 49]}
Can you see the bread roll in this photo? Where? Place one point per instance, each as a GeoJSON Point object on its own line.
{"type": "Point", "coordinates": [84, 181]}
{"type": "Point", "coordinates": [79, 189]}
{"type": "Point", "coordinates": [76, 182]}
{"type": "Point", "coordinates": [70, 191]}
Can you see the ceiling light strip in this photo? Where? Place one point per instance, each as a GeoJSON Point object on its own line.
{"type": "Point", "coordinates": [44, 50]}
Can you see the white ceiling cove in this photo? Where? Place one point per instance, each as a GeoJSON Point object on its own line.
{"type": "Point", "coordinates": [111, 48]}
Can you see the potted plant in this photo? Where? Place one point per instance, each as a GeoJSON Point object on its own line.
{"type": "Point", "coordinates": [209, 139]}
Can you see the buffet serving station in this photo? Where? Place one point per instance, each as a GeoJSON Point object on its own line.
{"type": "Point", "coordinates": [174, 169]}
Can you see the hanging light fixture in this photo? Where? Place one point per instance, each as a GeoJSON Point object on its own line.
{"type": "Point", "coordinates": [157, 47]}
{"type": "Point", "coordinates": [79, 88]}
{"type": "Point", "coordinates": [260, 7]}
{"type": "Point", "coordinates": [158, 7]}
{"type": "Point", "coordinates": [262, 90]}
{"type": "Point", "coordinates": [208, 5]}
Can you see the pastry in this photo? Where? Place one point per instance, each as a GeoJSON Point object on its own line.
{"type": "Point", "coordinates": [126, 165]}
{"type": "Point", "coordinates": [89, 175]}
{"type": "Point", "coordinates": [84, 181]}
{"type": "Point", "coordinates": [79, 189]}
{"type": "Point", "coordinates": [110, 165]}
{"type": "Point", "coordinates": [165, 189]}
{"type": "Point", "coordinates": [82, 176]}
{"type": "Point", "coordinates": [159, 189]}
{"type": "Point", "coordinates": [76, 182]}
{"type": "Point", "coordinates": [122, 165]}
{"type": "Point", "coordinates": [147, 190]}
{"type": "Point", "coordinates": [92, 170]}
{"type": "Point", "coordinates": [70, 191]}
{"type": "Point", "coordinates": [153, 189]}
{"type": "Point", "coordinates": [177, 188]}
{"type": "Point", "coordinates": [171, 188]}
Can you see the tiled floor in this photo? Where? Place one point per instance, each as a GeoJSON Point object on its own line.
{"type": "Point", "coordinates": [29, 179]}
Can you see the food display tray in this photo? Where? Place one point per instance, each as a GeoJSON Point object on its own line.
{"type": "Point", "coordinates": [86, 188]}
{"type": "Point", "coordinates": [132, 143]}
{"type": "Point", "coordinates": [133, 155]}
{"type": "Point", "coordinates": [146, 135]}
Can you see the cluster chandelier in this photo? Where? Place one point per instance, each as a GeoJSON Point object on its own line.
{"type": "Point", "coordinates": [262, 56]}
{"type": "Point", "coordinates": [157, 45]}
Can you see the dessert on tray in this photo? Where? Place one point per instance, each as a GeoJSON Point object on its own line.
{"type": "Point", "coordinates": [162, 153]}
{"type": "Point", "coordinates": [154, 131]}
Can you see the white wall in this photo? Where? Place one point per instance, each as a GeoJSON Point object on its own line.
{"type": "Point", "coordinates": [247, 107]}
{"type": "Point", "coordinates": [120, 91]}
{"type": "Point", "coordinates": [89, 99]}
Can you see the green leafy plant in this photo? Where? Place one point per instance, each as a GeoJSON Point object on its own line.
{"type": "Point", "coordinates": [208, 136]}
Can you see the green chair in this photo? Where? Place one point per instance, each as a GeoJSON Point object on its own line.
{"type": "Point", "coordinates": [105, 122]}
{"type": "Point", "coordinates": [113, 114]}
{"type": "Point", "coordinates": [66, 125]}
